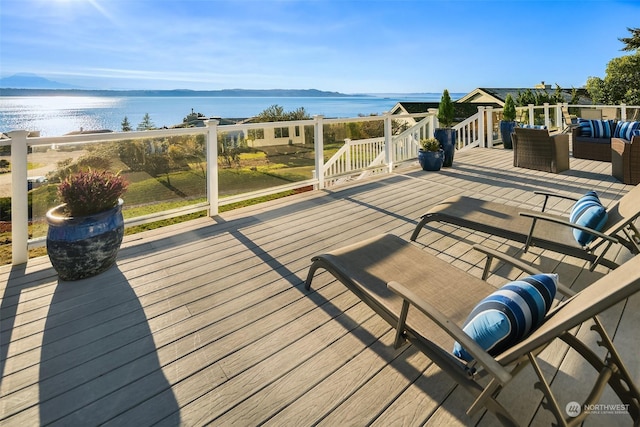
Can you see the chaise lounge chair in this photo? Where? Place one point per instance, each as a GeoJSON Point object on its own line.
{"type": "Point", "coordinates": [426, 299]}
{"type": "Point", "coordinates": [541, 229]}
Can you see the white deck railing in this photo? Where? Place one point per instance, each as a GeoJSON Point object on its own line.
{"type": "Point", "coordinates": [354, 159]}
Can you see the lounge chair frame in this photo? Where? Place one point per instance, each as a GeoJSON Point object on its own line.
{"type": "Point", "coordinates": [413, 307]}
{"type": "Point", "coordinates": [541, 229]}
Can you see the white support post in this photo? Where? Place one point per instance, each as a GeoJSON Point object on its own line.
{"type": "Point", "coordinates": [212, 166]}
{"type": "Point", "coordinates": [623, 112]}
{"type": "Point", "coordinates": [546, 115]}
{"type": "Point", "coordinates": [559, 116]}
{"type": "Point", "coordinates": [489, 126]}
{"type": "Point", "coordinates": [388, 141]}
{"type": "Point", "coordinates": [19, 198]}
{"type": "Point", "coordinates": [480, 133]}
{"type": "Point", "coordinates": [532, 120]}
{"type": "Point", "coordinates": [348, 160]}
{"type": "Point", "coordinates": [433, 122]}
{"type": "Point", "coordinates": [318, 133]}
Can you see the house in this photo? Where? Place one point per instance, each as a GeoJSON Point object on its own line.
{"type": "Point", "coordinates": [488, 97]}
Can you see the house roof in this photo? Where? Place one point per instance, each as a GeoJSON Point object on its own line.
{"type": "Point", "coordinates": [498, 95]}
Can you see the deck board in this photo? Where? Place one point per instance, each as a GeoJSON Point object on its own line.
{"type": "Point", "coordinates": [207, 321]}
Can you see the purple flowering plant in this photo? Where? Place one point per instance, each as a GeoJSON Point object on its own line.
{"type": "Point", "coordinates": [89, 192]}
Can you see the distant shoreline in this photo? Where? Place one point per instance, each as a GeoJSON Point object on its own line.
{"type": "Point", "coordinates": [311, 93]}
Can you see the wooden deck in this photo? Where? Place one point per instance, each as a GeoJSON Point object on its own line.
{"type": "Point", "coordinates": [207, 322]}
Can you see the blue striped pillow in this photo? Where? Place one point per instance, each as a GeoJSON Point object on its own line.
{"type": "Point", "coordinates": [584, 126]}
{"type": "Point", "coordinates": [601, 128]}
{"type": "Point", "coordinates": [625, 130]}
{"type": "Point", "coordinates": [588, 212]}
{"type": "Point", "coordinates": [509, 314]}
{"type": "Point", "coordinates": [526, 126]}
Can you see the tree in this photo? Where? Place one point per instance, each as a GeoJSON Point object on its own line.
{"type": "Point", "coordinates": [509, 111]}
{"type": "Point", "coordinates": [276, 113]}
{"type": "Point", "coordinates": [622, 80]}
{"type": "Point", "coordinates": [126, 126]}
{"type": "Point", "coordinates": [632, 43]}
{"type": "Point", "coordinates": [446, 110]}
{"type": "Point", "coordinates": [621, 83]}
{"type": "Point", "coordinates": [146, 123]}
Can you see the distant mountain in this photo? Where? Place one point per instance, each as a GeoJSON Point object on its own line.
{"type": "Point", "coordinates": [32, 85]}
{"type": "Point", "coordinates": [31, 81]}
{"type": "Point", "coordinates": [10, 91]}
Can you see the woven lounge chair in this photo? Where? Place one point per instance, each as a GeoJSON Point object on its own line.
{"type": "Point", "coordinates": [536, 149]}
{"type": "Point", "coordinates": [541, 229]}
{"type": "Point", "coordinates": [426, 299]}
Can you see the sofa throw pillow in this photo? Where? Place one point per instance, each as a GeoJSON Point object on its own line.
{"type": "Point", "coordinates": [625, 130]}
{"type": "Point", "coordinates": [588, 212]}
{"type": "Point", "coordinates": [584, 127]}
{"type": "Point", "coordinates": [527, 126]}
{"type": "Point", "coordinates": [635, 133]}
{"type": "Point", "coordinates": [601, 128]}
{"type": "Point", "coordinates": [509, 314]}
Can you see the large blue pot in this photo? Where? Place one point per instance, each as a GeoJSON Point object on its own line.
{"type": "Point", "coordinates": [431, 160]}
{"type": "Point", "coordinates": [447, 139]}
{"type": "Point", "coordinates": [506, 129]}
{"type": "Point", "coordinates": [85, 246]}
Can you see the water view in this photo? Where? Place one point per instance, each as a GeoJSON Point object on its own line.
{"type": "Point", "coordinates": [59, 115]}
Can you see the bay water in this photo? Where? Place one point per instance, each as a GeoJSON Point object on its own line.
{"type": "Point", "coordinates": [59, 115]}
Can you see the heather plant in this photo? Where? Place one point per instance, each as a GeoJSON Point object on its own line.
{"type": "Point", "coordinates": [429, 144]}
{"type": "Point", "coordinates": [89, 192]}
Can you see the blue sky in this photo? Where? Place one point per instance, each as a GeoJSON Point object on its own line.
{"type": "Point", "coordinates": [390, 46]}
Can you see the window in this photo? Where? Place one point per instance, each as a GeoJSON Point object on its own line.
{"type": "Point", "coordinates": [256, 134]}
{"type": "Point", "coordinates": [281, 132]}
{"type": "Point", "coordinates": [297, 131]}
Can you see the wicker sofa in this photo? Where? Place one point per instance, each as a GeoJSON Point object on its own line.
{"type": "Point", "coordinates": [591, 139]}
{"type": "Point", "coordinates": [625, 160]}
{"type": "Point", "coordinates": [586, 145]}
{"type": "Point", "coordinates": [536, 149]}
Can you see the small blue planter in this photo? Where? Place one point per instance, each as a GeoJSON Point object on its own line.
{"type": "Point", "coordinates": [85, 246]}
{"type": "Point", "coordinates": [431, 160]}
{"type": "Point", "coordinates": [447, 139]}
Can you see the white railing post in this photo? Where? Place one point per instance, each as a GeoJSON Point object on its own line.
{"type": "Point", "coordinates": [19, 198]}
{"type": "Point", "coordinates": [388, 141]}
{"type": "Point", "coordinates": [318, 132]}
{"type": "Point", "coordinates": [212, 166]}
{"type": "Point", "coordinates": [433, 122]}
{"type": "Point", "coordinates": [532, 120]}
{"type": "Point", "coordinates": [623, 112]}
{"type": "Point", "coordinates": [559, 116]}
{"type": "Point", "coordinates": [489, 126]}
{"type": "Point", "coordinates": [546, 115]}
{"type": "Point", "coordinates": [480, 133]}
{"type": "Point", "coordinates": [347, 154]}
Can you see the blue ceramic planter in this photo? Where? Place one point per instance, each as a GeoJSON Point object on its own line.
{"type": "Point", "coordinates": [506, 129]}
{"type": "Point", "coordinates": [447, 139]}
{"type": "Point", "coordinates": [431, 160]}
{"type": "Point", "coordinates": [84, 246]}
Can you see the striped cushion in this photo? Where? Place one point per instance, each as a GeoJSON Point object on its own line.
{"type": "Point", "coordinates": [525, 126]}
{"type": "Point", "coordinates": [635, 133]}
{"type": "Point", "coordinates": [509, 314]}
{"type": "Point", "coordinates": [596, 128]}
{"type": "Point", "coordinates": [584, 126]}
{"type": "Point", "coordinates": [588, 212]}
{"type": "Point", "coordinates": [625, 130]}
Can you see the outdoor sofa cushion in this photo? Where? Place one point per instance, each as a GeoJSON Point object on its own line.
{"type": "Point", "coordinates": [509, 314]}
{"type": "Point", "coordinates": [625, 130]}
{"type": "Point", "coordinates": [596, 128]}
